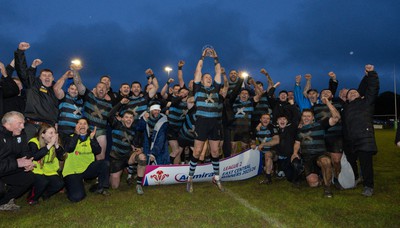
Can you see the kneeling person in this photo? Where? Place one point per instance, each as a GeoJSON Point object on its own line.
{"type": "Point", "coordinates": [80, 164]}
{"type": "Point", "coordinates": [310, 138]}
{"type": "Point", "coordinates": [124, 150]}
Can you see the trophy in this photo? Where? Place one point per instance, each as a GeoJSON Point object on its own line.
{"type": "Point", "coordinates": [209, 50]}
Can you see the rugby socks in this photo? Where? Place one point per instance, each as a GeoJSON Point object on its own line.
{"type": "Point", "coordinates": [215, 164]}
{"type": "Point", "coordinates": [192, 166]}
{"type": "Point", "coordinates": [130, 170]}
{"type": "Point", "coordinates": [139, 180]}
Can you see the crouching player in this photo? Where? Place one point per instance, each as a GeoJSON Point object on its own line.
{"type": "Point", "coordinates": [124, 150]}
{"type": "Point", "coordinates": [310, 139]}
{"type": "Point", "coordinates": [267, 135]}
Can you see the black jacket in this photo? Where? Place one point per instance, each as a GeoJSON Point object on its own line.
{"type": "Point", "coordinates": [42, 103]}
{"type": "Point", "coordinates": [358, 129]}
{"type": "Point", "coordinates": [11, 148]}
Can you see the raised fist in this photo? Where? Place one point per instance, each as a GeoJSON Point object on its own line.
{"type": "Point", "coordinates": [307, 76]}
{"type": "Point", "coordinates": [263, 71]}
{"type": "Point", "coordinates": [149, 72]}
{"type": "Point", "coordinates": [36, 63]}
{"type": "Point", "coordinates": [23, 46]}
{"type": "Point", "coordinates": [223, 70]}
{"type": "Point", "coordinates": [181, 63]}
{"type": "Point", "coordinates": [170, 80]}
{"type": "Point", "coordinates": [369, 67]}
{"type": "Point", "coordinates": [332, 75]}
{"type": "Point", "coordinates": [69, 74]}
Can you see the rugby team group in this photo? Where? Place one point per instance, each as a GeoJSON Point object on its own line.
{"type": "Point", "coordinates": [54, 140]}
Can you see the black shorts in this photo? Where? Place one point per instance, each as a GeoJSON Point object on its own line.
{"type": "Point", "coordinates": [119, 161]}
{"type": "Point", "coordinates": [241, 134]}
{"type": "Point", "coordinates": [209, 128]}
{"type": "Point", "coordinates": [185, 142]}
{"type": "Point", "coordinates": [172, 133]}
{"type": "Point", "coordinates": [334, 144]}
{"type": "Point", "coordinates": [310, 164]}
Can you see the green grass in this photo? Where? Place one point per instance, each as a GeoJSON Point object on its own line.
{"type": "Point", "coordinates": [244, 204]}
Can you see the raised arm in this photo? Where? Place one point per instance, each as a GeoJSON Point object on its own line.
{"type": "Point", "coordinates": [164, 90]}
{"type": "Point", "coordinates": [224, 90]}
{"type": "Point", "coordinates": [197, 73]}
{"type": "Point", "coordinates": [308, 84]}
{"type": "Point", "coordinates": [333, 83]}
{"type": "Point", "coordinates": [77, 79]}
{"type": "Point", "coordinates": [217, 77]}
{"type": "Point", "coordinates": [181, 63]}
{"type": "Point", "coordinates": [335, 115]}
{"type": "Point", "coordinates": [57, 87]}
{"type": "Point", "coordinates": [372, 81]}
{"type": "Point", "coordinates": [151, 78]}
{"type": "Point", "coordinates": [269, 79]}
{"type": "Point", "coordinates": [20, 63]}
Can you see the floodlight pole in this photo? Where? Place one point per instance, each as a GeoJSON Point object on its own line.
{"type": "Point", "coordinates": [395, 97]}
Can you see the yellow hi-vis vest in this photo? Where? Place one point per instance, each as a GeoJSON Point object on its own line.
{"type": "Point", "coordinates": [49, 164]}
{"type": "Point", "coordinates": [78, 161]}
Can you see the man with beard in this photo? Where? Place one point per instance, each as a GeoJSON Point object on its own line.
{"type": "Point", "coordinates": [96, 109]}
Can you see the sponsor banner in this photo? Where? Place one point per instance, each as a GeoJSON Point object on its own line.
{"type": "Point", "coordinates": [239, 167]}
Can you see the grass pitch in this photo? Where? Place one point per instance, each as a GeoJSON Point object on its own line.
{"type": "Point", "coordinates": [244, 204]}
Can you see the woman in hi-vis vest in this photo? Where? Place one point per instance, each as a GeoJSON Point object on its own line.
{"type": "Point", "coordinates": [80, 164]}
{"type": "Point", "coordinates": [47, 153]}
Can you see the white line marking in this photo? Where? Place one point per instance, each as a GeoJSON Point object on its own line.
{"type": "Point", "coordinates": [245, 203]}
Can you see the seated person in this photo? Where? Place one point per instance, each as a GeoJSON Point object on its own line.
{"type": "Point", "coordinates": [47, 152]}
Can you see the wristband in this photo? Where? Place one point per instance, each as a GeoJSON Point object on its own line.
{"type": "Point", "coordinates": [151, 76]}
{"type": "Point", "coordinates": [202, 57]}
{"type": "Point", "coordinates": [180, 68]}
{"type": "Point", "coordinates": [216, 61]}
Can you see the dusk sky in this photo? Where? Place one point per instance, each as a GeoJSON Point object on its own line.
{"type": "Point", "coordinates": [124, 38]}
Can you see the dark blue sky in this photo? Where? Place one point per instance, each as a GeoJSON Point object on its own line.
{"type": "Point", "coordinates": [124, 38]}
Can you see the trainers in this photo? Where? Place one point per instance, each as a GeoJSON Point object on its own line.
{"type": "Point", "coordinates": [139, 189]}
{"type": "Point", "coordinates": [266, 181]}
{"type": "Point", "coordinates": [328, 192]}
{"type": "Point", "coordinates": [189, 185]}
{"type": "Point", "coordinates": [10, 206]}
{"type": "Point", "coordinates": [368, 191]}
{"type": "Point", "coordinates": [218, 184]}
{"type": "Point", "coordinates": [103, 192]}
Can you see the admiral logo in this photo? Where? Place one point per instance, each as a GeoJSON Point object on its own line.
{"type": "Point", "coordinates": [180, 177]}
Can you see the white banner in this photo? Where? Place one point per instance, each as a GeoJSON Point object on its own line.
{"type": "Point", "coordinates": [239, 167]}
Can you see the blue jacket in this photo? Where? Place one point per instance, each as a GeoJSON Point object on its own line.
{"type": "Point", "coordinates": [156, 143]}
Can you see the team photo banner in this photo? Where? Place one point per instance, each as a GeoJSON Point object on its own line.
{"type": "Point", "coordinates": [238, 167]}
